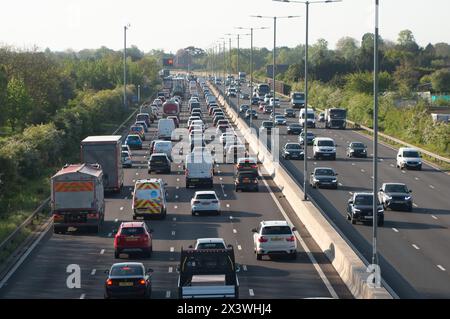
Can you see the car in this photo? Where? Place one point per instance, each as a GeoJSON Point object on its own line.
{"type": "Point", "coordinates": [254, 100]}
{"type": "Point", "coordinates": [126, 148]}
{"type": "Point", "coordinates": [360, 209]}
{"type": "Point", "coordinates": [244, 96]}
{"type": "Point", "coordinates": [205, 202]}
{"type": "Point", "coordinates": [134, 142]}
{"type": "Point", "coordinates": [176, 121]}
{"type": "Point", "coordinates": [251, 113]}
{"type": "Point", "coordinates": [309, 138]}
{"type": "Point", "coordinates": [294, 129]}
{"type": "Point", "coordinates": [267, 98]}
{"type": "Point", "coordinates": [409, 158]}
{"type": "Point", "coordinates": [210, 243]}
{"type": "Point", "coordinates": [324, 147]}
{"type": "Point", "coordinates": [163, 147]}
{"type": "Point", "coordinates": [231, 92]}
{"type": "Point", "coordinates": [159, 162]}
{"type": "Point", "coordinates": [356, 149]}
{"type": "Point", "coordinates": [273, 115]}
{"type": "Point", "coordinates": [396, 196]}
{"type": "Point", "coordinates": [323, 177]}
{"type": "Point", "coordinates": [321, 117]}
{"type": "Point", "coordinates": [275, 102]}
{"type": "Point", "coordinates": [126, 159]}
{"type": "Point", "coordinates": [267, 125]}
{"type": "Point", "coordinates": [289, 113]}
{"type": "Point", "coordinates": [292, 151]}
{"type": "Point", "coordinates": [247, 164]}
{"type": "Point", "coordinates": [212, 108]}
{"type": "Point", "coordinates": [128, 280]}
{"type": "Point", "coordinates": [133, 237]}
{"type": "Point", "coordinates": [227, 137]}
{"type": "Point", "coordinates": [274, 237]}
{"type": "Point", "coordinates": [217, 119]}
{"type": "Point", "coordinates": [243, 108]}
{"type": "Point", "coordinates": [268, 109]}
{"type": "Point", "coordinates": [246, 180]}
{"type": "Point", "coordinates": [196, 127]}
{"type": "Point", "coordinates": [191, 119]}
{"type": "Point", "coordinates": [139, 130]}
{"type": "Point", "coordinates": [280, 120]}
{"type": "Point", "coordinates": [143, 124]}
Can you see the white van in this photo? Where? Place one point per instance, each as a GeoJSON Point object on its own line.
{"type": "Point", "coordinates": [324, 147]}
{"type": "Point", "coordinates": [199, 170]}
{"type": "Point", "coordinates": [165, 129]}
{"type": "Point", "coordinates": [163, 147]}
{"type": "Point", "coordinates": [311, 122]}
{"type": "Point", "coordinates": [409, 158]}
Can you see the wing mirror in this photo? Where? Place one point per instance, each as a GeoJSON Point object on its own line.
{"type": "Point", "coordinates": [350, 201]}
{"type": "Point", "coordinates": [294, 229]}
{"type": "Point", "coordinates": [150, 271]}
{"type": "Point", "coordinates": [106, 271]}
{"type": "Point", "coordinates": [238, 267]}
{"type": "Point", "coordinates": [254, 230]}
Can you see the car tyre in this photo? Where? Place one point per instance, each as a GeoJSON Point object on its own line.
{"type": "Point", "coordinates": [353, 220]}
{"type": "Point", "coordinates": [293, 256]}
{"type": "Point", "coordinates": [258, 256]}
{"type": "Point", "coordinates": [381, 222]}
{"type": "Point", "coordinates": [116, 254]}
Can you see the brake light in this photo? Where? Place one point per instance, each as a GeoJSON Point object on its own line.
{"type": "Point", "coordinates": [196, 202]}
{"type": "Point", "coordinates": [254, 166]}
{"type": "Point", "coordinates": [142, 282]}
{"type": "Point", "coordinates": [292, 238]}
{"type": "Point", "coordinates": [109, 282]}
{"type": "Point", "coordinates": [263, 239]}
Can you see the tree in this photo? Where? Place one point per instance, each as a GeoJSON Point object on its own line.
{"type": "Point", "coordinates": [3, 95]}
{"type": "Point", "coordinates": [441, 80]}
{"type": "Point", "coordinates": [18, 103]}
{"type": "Point", "coordinates": [347, 47]}
{"type": "Point", "coordinates": [407, 42]}
{"type": "Point", "coordinates": [406, 77]}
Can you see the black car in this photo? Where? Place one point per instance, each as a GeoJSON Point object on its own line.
{"type": "Point", "coordinates": [356, 149]}
{"type": "Point", "coordinates": [128, 280]}
{"type": "Point", "coordinates": [255, 100]}
{"type": "Point", "coordinates": [396, 196]}
{"type": "Point", "coordinates": [246, 180]}
{"type": "Point", "coordinates": [243, 108]}
{"type": "Point", "coordinates": [359, 209]}
{"type": "Point", "coordinates": [289, 113]}
{"type": "Point", "coordinates": [292, 151]}
{"type": "Point", "coordinates": [159, 162]}
{"type": "Point", "coordinates": [267, 125]}
{"type": "Point", "coordinates": [294, 129]}
{"type": "Point", "coordinates": [323, 177]}
{"type": "Point", "coordinates": [251, 113]}
{"type": "Point", "coordinates": [245, 96]}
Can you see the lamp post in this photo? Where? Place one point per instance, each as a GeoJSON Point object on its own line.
{"type": "Point", "coordinates": [251, 67]}
{"type": "Point", "coordinates": [274, 55]}
{"type": "Point", "coordinates": [305, 124]}
{"type": "Point", "coordinates": [125, 28]}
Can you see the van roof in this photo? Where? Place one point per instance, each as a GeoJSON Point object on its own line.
{"type": "Point", "coordinates": [102, 138]}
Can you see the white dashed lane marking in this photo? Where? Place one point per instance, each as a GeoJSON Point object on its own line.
{"type": "Point", "coordinates": [82, 296]}
{"type": "Point", "coordinates": [441, 268]}
{"type": "Point", "coordinates": [251, 292]}
{"type": "Point", "coordinates": [167, 294]}
{"type": "Point", "coordinates": [234, 231]}
{"type": "Point", "coordinates": [434, 217]}
{"type": "Point", "coordinates": [395, 229]}
{"type": "Point", "coordinates": [172, 249]}
{"type": "Point", "coordinates": [93, 272]}
{"type": "Point", "coordinates": [432, 187]}
{"type": "Point", "coordinates": [102, 252]}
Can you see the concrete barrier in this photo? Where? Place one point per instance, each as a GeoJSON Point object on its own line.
{"type": "Point", "coordinates": [344, 259]}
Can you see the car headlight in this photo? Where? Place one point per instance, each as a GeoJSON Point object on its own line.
{"type": "Point", "coordinates": [407, 197]}
{"type": "Point", "coordinates": [389, 197]}
{"type": "Point", "coordinates": [286, 152]}
{"type": "Point", "coordinates": [357, 210]}
{"type": "Point", "coordinates": [334, 180]}
{"type": "Point", "coordinates": [315, 179]}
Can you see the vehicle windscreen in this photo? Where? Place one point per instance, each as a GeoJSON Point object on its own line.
{"type": "Point", "coordinates": [132, 231]}
{"type": "Point", "coordinates": [365, 200]}
{"type": "Point", "coordinates": [293, 147]}
{"type": "Point", "coordinates": [276, 230]}
{"type": "Point", "coordinates": [396, 189]}
{"type": "Point", "coordinates": [411, 154]}
{"type": "Point", "coordinates": [299, 96]}
{"type": "Point", "coordinates": [268, 124]}
{"type": "Point", "coordinates": [311, 116]}
{"type": "Point", "coordinates": [211, 246]}
{"type": "Point", "coordinates": [338, 114]}
{"type": "Point", "coordinates": [325, 143]}
{"type": "Point", "coordinates": [358, 145]}
{"type": "Point", "coordinates": [133, 138]}
{"type": "Point", "coordinates": [206, 196]}
{"type": "Point", "coordinates": [127, 270]}
{"type": "Point", "coordinates": [324, 172]}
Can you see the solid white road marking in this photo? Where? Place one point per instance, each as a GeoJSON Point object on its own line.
{"type": "Point", "coordinates": [415, 205]}
{"type": "Point", "coordinates": [434, 217]}
{"type": "Point", "coordinates": [415, 246]}
{"type": "Point", "coordinates": [441, 268]}
{"type": "Point", "coordinates": [173, 233]}
{"type": "Point", "coordinates": [102, 252]}
{"type": "Point", "coordinates": [395, 229]}
{"type": "Point", "coordinates": [82, 296]}
{"type": "Point", "coordinates": [303, 244]}
{"type": "Point", "coordinates": [167, 294]}
{"type": "Point", "coordinates": [244, 267]}
{"type": "Point", "coordinates": [93, 272]}
{"type": "Point", "coordinates": [251, 292]}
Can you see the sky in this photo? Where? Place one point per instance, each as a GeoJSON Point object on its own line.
{"type": "Point", "coordinates": [173, 24]}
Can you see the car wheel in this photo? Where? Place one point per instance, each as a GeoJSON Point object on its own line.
{"type": "Point", "coordinates": [353, 220]}
{"type": "Point", "coordinates": [348, 217]}
{"type": "Point", "coordinates": [134, 217]}
{"type": "Point", "coordinates": [258, 256]}
{"type": "Point", "coordinates": [294, 256]}
{"type": "Point", "coordinates": [381, 222]}
{"type": "Point", "coordinates": [149, 171]}
{"type": "Point", "coordinates": [116, 254]}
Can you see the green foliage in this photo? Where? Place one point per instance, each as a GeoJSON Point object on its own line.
{"type": "Point", "coordinates": [18, 103]}
{"type": "Point", "coordinates": [441, 80]}
{"type": "Point", "coordinates": [362, 82]}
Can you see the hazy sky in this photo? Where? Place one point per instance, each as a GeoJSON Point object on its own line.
{"type": "Point", "coordinates": [174, 24]}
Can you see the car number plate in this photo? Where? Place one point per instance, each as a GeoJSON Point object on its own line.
{"type": "Point", "coordinates": [205, 203]}
{"type": "Point", "coordinates": [194, 180]}
{"type": "Point", "coordinates": [132, 239]}
{"type": "Point", "coordinates": [368, 217]}
{"type": "Point", "coordinates": [277, 239]}
{"type": "Point", "coordinates": [126, 284]}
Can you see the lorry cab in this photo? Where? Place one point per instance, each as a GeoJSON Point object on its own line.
{"type": "Point", "coordinates": [298, 100]}
{"type": "Point", "coordinates": [310, 118]}
{"type": "Point", "coordinates": [149, 199]}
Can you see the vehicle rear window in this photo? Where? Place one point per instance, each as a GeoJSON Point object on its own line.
{"type": "Point", "coordinates": [276, 230]}
{"type": "Point", "coordinates": [127, 270]}
{"type": "Point", "coordinates": [158, 158]}
{"type": "Point", "coordinates": [211, 246]}
{"type": "Point", "coordinates": [132, 231]}
{"type": "Point", "coordinates": [206, 196]}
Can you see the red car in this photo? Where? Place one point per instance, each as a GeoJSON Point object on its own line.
{"type": "Point", "coordinates": [133, 237]}
{"type": "Point", "coordinates": [176, 121]}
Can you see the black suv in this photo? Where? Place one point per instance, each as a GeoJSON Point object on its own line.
{"type": "Point", "coordinates": [293, 151]}
{"type": "Point", "coordinates": [159, 162]}
{"type": "Point", "coordinates": [360, 209]}
{"type": "Point", "coordinates": [323, 177]}
{"type": "Point", "coordinates": [396, 196]}
{"type": "Point", "coordinates": [246, 180]}
{"type": "Point", "coordinates": [356, 149]}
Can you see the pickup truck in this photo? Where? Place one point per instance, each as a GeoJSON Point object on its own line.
{"type": "Point", "coordinates": [208, 273]}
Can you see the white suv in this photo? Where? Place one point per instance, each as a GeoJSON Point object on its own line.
{"type": "Point", "coordinates": [274, 238]}
{"type": "Point", "coordinates": [409, 158]}
{"type": "Point", "coordinates": [324, 147]}
{"type": "Point", "coordinates": [205, 201]}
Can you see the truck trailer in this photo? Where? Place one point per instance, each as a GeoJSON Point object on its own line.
{"type": "Point", "coordinates": [106, 151]}
{"type": "Point", "coordinates": [77, 197]}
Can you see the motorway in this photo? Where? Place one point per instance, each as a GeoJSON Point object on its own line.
{"type": "Point", "coordinates": [43, 274]}
{"type": "Point", "coordinates": [414, 247]}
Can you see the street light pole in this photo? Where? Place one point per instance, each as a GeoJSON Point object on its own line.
{"type": "Point", "coordinates": [239, 80]}
{"type": "Point", "coordinates": [375, 138]}
{"type": "Point", "coordinates": [139, 94]}
{"type": "Point", "coordinates": [274, 67]}
{"type": "Point", "coordinates": [125, 28]}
